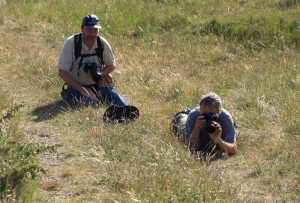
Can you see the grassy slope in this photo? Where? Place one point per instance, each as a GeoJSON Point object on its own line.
{"type": "Point", "coordinates": [163, 67]}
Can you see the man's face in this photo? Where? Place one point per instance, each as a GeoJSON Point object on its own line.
{"type": "Point", "coordinates": [89, 34]}
{"type": "Point", "coordinates": [209, 109]}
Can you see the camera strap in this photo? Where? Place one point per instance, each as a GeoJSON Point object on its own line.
{"type": "Point", "coordinates": [81, 59]}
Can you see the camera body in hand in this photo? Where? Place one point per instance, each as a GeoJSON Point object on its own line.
{"type": "Point", "coordinates": [210, 118]}
{"type": "Point", "coordinates": [94, 71]}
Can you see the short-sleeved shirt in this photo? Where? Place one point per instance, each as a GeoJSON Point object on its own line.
{"type": "Point", "coordinates": [225, 120]}
{"type": "Point", "coordinates": [67, 59]}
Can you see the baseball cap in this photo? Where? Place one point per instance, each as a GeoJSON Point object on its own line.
{"type": "Point", "coordinates": [91, 21]}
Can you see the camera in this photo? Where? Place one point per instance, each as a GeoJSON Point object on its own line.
{"type": "Point", "coordinates": [95, 72]}
{"type": "Point", "coordinates": [210, 118]}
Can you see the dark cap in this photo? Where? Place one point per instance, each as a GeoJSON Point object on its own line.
{"type": "Point", "coordinates": [91, 21]}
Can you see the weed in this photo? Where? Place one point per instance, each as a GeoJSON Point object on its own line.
{"type": "Point", "coordinates": [11, 112]}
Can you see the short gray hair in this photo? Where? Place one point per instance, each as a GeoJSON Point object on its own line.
{"type": "Point", "coordinates": [211, 98]}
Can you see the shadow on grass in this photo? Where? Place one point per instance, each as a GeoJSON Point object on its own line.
{"type": "Point", "coordinates": [49, 111]}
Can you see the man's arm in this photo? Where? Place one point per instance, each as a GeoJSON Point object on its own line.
{"type": "Point", "coordinates": [230, 148]}
{"type": "Point", "coordinates": [108, 69]}
{"type": "Point", "coordinates": [193, 141]}
{"type": "Point", "coordinates": [68, 78]}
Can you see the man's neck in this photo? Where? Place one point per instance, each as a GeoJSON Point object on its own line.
{"type": "Point", "coordinates": [89, 43]}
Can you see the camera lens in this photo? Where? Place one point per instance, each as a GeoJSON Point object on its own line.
{"type": "Point", "coordinates": [95, 73]}
{"type": "Point", "coordinates": [210, 127]}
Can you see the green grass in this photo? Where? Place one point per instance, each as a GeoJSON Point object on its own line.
{"type": "Point", "coordinates": [169, 53]}
{"type": "Point", "coordinates": [257, 32]}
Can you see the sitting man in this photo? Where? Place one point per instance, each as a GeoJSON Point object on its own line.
{"type": "Point", "coordinates": [209, 128]}
{"type": "Point", "coordinates": [85, 64]}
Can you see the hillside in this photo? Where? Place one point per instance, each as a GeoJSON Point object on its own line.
{"type": "Point", "coordinates": [169, 53]}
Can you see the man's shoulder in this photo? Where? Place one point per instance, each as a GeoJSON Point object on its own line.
{"type": "Point", "coordinates": [194, 113]}
{"type": "Point", "coordinates": [225, 115]}
{"type": "Point", "coordinates": [103, 40]}
{"type": "Point", "coordinates": [70, 40]}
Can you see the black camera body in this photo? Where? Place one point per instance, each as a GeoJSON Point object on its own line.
{"type": "Point", "coordinates": [94, 71]}
{"type": "Point", "coordinates": [210, 118]}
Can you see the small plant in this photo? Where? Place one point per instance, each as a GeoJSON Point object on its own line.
{"type": "Point", "coordinates": [19, 161]}
{"type": "Point", "coordinates": [11, 112]}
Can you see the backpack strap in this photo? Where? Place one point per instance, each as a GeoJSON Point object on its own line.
{"type": "Point", "coordinates": [77, 50]}
{"type": "Point", "coordinates": [99, 50]}
{"type": "Point", "coordinates": [77, 45]}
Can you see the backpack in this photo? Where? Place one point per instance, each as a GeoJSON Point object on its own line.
{"type": "Point", "coordinates": [78, 47]}
{"type": "Point", "coordinates": [177, 124]}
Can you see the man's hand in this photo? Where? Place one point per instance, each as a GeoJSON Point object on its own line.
{"type": "Point", "coordinates": [216, 135]}
{"type": "Point", "coordinates": [88, 92]}
{"type": "Point", "coordinates": [200, 122]}
{"type": "Point", "coordinates": [193, 141]}
{"type": "Point", "coordinates": [230, 148]}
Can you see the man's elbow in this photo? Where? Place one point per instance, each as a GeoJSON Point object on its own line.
{"type": "Point", "coordinates": [59, 73]}
{"type": "Point", "coordinates": [233, 150]}
{"type": "Point", "coordinates": [112, 67]}
{"type": "Point", "coordinates": [191, 146]}
{"type": "Point", "coordinates": [186, 142]}
{"type": "Point", "coordinates": [62, 73]}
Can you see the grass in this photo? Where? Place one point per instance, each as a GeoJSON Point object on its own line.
{"type": "Point", "coordinates": [257, 32]}
{"type": "Point", "coordinates": [169, 53]}
{"type": "Point", "coordinates": [19, 163]}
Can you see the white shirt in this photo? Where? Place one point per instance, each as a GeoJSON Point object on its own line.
{"type": "Point", "coordinates": [67, 59]}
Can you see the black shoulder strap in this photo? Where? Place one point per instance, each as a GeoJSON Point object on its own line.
{"type": "Point", "coordinates": [99, 50]}
{"type": "Point", "coordinates": [77, 45]}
